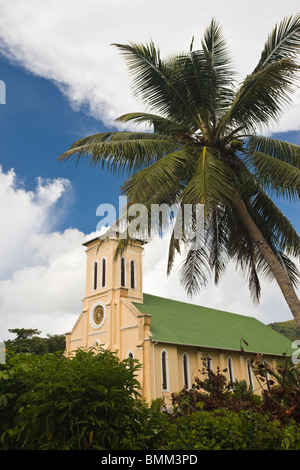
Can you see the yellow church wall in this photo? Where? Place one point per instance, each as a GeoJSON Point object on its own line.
{"type": "Point", "coordinates": [76, 338]}
{"type": "Point", "coordinates": [195, 365]}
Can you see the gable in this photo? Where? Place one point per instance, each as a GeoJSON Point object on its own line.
{"type": "Point", "coordinates": [188, 324]}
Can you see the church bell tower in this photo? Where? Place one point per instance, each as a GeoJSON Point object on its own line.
{"type": "Point", "coordinates": [113, 284]}
{"type": "Point", "coordinates": [109, 276]}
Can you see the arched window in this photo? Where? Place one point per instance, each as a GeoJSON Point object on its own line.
{"type": "Point", "coordinates": [132, 274]}
{"type": "Point", "coordinates": [249, 370]}
{"type": "Point", "coordinates": [266, 373]}
{"type": "Point", "coordinates": [185, 367]}
{"type": "Point", "coordinates": [164, 370]}
{"type": "Point", "coordinates": [209, 364]}
{"type": "Point", "coordinates": [230, 371]}
{"type": "Point", "coordinates": [130, 355]}
{"type": "Point", "coordinates": [103, 272]}
{"type": "Point", "coordinates": [123, 272]}
{"type": "Point", "coordinates": [95, 275]}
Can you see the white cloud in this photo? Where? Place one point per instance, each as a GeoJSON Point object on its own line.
{"type": "Point", "coordinates": [23, 213]}
{"type": "Point", "coordinates": [70, 43]}
{"type": "Point", "coordinates": [41, 271]}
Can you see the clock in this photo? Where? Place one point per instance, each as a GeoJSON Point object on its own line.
{"type": "Point", "coordinates": [97, 315]}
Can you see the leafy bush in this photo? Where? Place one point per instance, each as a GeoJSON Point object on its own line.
{"type": "Point", "coordinates": [281, 391]}
{"type": "Point", "coordinates": [93, 401]}
{"type": "Point", "coordinates": [215, 392]}
{"type": "Point", "coordinates": [88, 402]}
{"type": "Point", "coordinates": [215, 415]}
{"type": "Point", "coordinates": [12, 385]}
{"type": "Point", "coordinates": [224, 429]}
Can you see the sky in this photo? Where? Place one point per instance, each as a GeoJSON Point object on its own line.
{"type": "Point", "coordinates": [63, 81]}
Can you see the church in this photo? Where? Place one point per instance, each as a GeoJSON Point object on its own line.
{"type": "Point", "coordinates": [170, 339]}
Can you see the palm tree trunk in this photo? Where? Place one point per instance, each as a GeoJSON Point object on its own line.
{"type": "Point", "coordinates": [276, 267]}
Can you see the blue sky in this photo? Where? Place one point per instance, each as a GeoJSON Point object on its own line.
{"type": "Point", "coordinates": [64, 81]}
{"type": "Point", "coordinates": [37, 125]}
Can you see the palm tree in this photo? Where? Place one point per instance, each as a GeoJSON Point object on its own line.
{"type": "Point", "coordinates": [204, 148]}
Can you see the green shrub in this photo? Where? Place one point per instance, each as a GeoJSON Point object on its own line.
{"type": "Point", "coordinates": [281, 394]}
{"type": "Point", "coordinates": [93, 401]}
{"type": "Point", "coordinates": [14, 381]}
{"type": "Point", "coordinates": [216, 415]}
{"type": "Point", "coordinates": [226, 430]}
{"type": "Point", "coordinates": [88, 402]}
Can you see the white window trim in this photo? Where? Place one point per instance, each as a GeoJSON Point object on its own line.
{"type": "Point", "coordinates": [267, 373]}
{"type": "Point", "coordinates": [209, 359]}
{"type": "Point", "coordinates": [188, 370]}
{"type": "Point", "coordinates": [229, 359]}
{"type": "Point", "coordinates": [249, 373]}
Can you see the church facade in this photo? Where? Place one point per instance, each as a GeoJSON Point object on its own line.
{"type": "Point", "coordinates": [170, 339]}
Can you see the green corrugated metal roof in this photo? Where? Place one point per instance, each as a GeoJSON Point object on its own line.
{"type": "Point", "coordinates": [188, 324]}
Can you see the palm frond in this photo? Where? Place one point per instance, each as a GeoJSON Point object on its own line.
{"type": "Point", "coordinates": [276, 227]}
{"type": "Point", "coordinates": [262, 96]}
{"type": "Point", "coordinates": [216, 241]}
{"type": "Point", "coordinates": [156, 82]}
{"type": "Point", "coordinates": [160, 124]}
{"type": "Point", "coordinates": [249, 261]}
{"type": "Point", "coordinates": [174, 247]}
{"type": "Point", "coordinates": [275, 176]}
{"type": "Point", "coordinates": [212, 180]}
{"type": "Point", "coordinates": [215, 48]}
{"type": "Point", "coordinates": [283, 42]}
{"type": "Point", "coordinates": [284, 151]}
{"type": "Point", "coordinates": [121, 152]}
{"type": "Point", "coordinates": [158, 182]}
{"type": "Point", "coordinates": [221, 71]}
{"type": "Point", "coordinates": [264, 93]}
{"type": "Point", "coordinates": [289, 266]}
{"type": "Point", "coordinates": [205, 77]}
{"type": "Point", "coordinates": [194, 271]}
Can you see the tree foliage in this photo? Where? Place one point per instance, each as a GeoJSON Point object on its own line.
{"type": "Point", "coordinates": [51, 402]}
{"type": "Point", "coordinates": [287, 328]}
{"type": "Point", "coordinates": [28, 341]}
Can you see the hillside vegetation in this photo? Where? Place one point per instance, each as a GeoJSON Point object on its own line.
{"type": "Point", "coordinates": [287, 328]}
